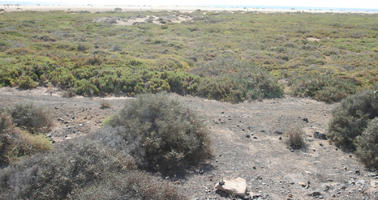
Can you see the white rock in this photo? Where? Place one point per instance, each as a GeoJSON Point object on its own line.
{"type": "Point", "coordinates": [235, 187]}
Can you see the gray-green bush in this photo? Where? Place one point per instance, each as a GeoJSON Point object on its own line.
{"type": "Point", "coordinates": [31, 118]}
{"type": "Point", "coordinates": [351, 118]}
{"type": "Point", "coordinates": [367, 145]}
{"type": "Point", "coordinates": [161, 134]}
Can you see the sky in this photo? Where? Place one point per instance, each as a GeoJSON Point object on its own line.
{"type": "Point", "coordinates": [371, 4]}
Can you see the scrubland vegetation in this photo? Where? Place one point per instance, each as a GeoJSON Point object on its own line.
{"type": "Point", "coordinates": [153, 134]}
{"type": "Point", "coordinates": [21, 133]}
{"type": "Point", "coordinates": [219, 55]}
{"type": "Point", "coordinates": [225, 56]}
{"type": "Point", "coordinates": [354, 126]}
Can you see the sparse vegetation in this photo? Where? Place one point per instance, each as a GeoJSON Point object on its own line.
{"type": "Point", "coordinates": [295, 138]}
{"type": "Point", "coordinates": [351, 118]}
{"type": "Point", "coordinates": [31, 118]}
{"type": "Point", "coordinates": [161, 134]}
{"type": "Point", "coordinates": [15, 143]}
{"type": "Point", "coordinates": [367, 144]}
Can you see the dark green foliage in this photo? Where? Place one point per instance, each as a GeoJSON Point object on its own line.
{"type": "Point", "coordinates": [351, 117]}
{"type": "Point", "coordinates": [295, 138]}
{"type": "Point", "coordinates": [55, 175]}
{"type": "Point", "coordinates": [367, 144]}
{"type": "Point", "coordinates": [162, 135]}
{"type": "Point", "coordinates": [322, 87]}
{"type": "Point", "coordinates": [31, 118]}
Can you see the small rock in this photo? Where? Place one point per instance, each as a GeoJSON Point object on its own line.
{"type": "Point", "coordinates": [320, 136]}
{"type": "Point", "coordinates": [254, 137]}
{"type": "Point", "coordinates": [247, 135]}
{"type": "Point", "coordinates": [278, 132]}
{"type": "Point", "coordinates": [316, 194]}
{"type": "Point", "coordinates": [235, 187]}
{"type": "Point", "coordinates": [305, 120]}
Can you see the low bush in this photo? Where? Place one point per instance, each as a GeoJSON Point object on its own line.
{"type": "Point", "coordinates": [57, 174]}
{"type": "Point", "coordinates": [295, 138]}
{"type": "Point", "coordinates": [132, 185]}
{"type": "Point", "coordinates": [235, 81]}
{"type": "Point", "coordinates": [82, 169]}
{"type": "Point", "coordinates": [351, 118]}
{"type": "Point", "coordinates": [26, 82]}
{"type": "Point", "coordinates": [31, 118]}
{"type": "Point", "coordinates": [321, 87]}
{"type": "Point", "coordinates": [367, 145]}
{"type": "Point", "coordinates": [162, 135]}
{"type": "Point", "coordinates": [15, 143]}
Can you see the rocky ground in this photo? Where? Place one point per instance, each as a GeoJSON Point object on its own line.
{"type": "Point", "coordinates": [247, 142]}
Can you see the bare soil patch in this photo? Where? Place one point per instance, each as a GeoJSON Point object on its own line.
{"type": "Point", "coordinates": [246, 142]}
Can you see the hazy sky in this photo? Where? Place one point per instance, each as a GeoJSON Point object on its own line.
{"type": "Point", "coordinates": [372, 4]}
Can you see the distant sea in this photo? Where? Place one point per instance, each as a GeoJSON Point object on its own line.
{"type": "Point", "coordinates": [289, 8]}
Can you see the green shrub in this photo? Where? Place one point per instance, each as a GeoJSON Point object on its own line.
{"type": "Point", "coordinates": [26, 82]}
{"type": "Point", "coordinates": [86, 88]}
{"type": "Point", "coordinates": [162, 134]}
{"type": "Point", "coordinates": [57, 174]}
{"type": "Point", "coordinates": [321, 87]}
{"type": "Point", "coordinates": [351, 117]}
{"type": "Point", "coordinates": [367, 145]}
{"type": "Point", "coordinates": [295, 138]}
{"type": "Point", "coordinates": [233, 80]}
{"type": "Point", "coordinates": [31, 118]}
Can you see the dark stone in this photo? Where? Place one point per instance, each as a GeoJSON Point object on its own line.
{"type": "Point", "coordinates": [320, 136]}
{"type": "Point", "coordinates": [248, 136]}
{"type": "Point", "coordinates": [278, 132]}
{"type": "Point", "coordinates": [315, 194]}
{"type": "Point", "coordinates": [305, 119]}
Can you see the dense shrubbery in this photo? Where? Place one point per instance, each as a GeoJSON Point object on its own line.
{"type": "Point", "coordinates": [295, 138]}
{"type": "Point", "coordinates": [351, 117]}
{"type": "Point", "coordinates": [232, 80]}
{"type": "Point", "coordinates": [15, 143]}
{"type": "Point", "coordinates": [367, 144]}
{"type": "Point", "coordinates": [74, 170]}
{"type": "Point", "coordinates": [31, 118]}
{"type": "Point", "coordinates": [161, 134]}
{"type": "Point", "coordinates": [321, 87]}
{"type": "Point", "coordinates": [95, 58]}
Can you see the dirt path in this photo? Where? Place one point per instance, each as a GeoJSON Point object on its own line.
{"type": "Point", "coordinates": [245, 143]}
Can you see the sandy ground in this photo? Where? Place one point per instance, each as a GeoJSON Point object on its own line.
{"type": "Point", "coordinates": [245, 141]}
{"type": "Point", "coordinates": [97, 8]}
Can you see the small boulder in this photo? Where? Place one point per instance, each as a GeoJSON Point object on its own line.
{"type": "Point", "coordinates": [233, 187]}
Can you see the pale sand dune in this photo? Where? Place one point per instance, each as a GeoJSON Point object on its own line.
{"type": "Point", "coordinates": [15, 8]}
